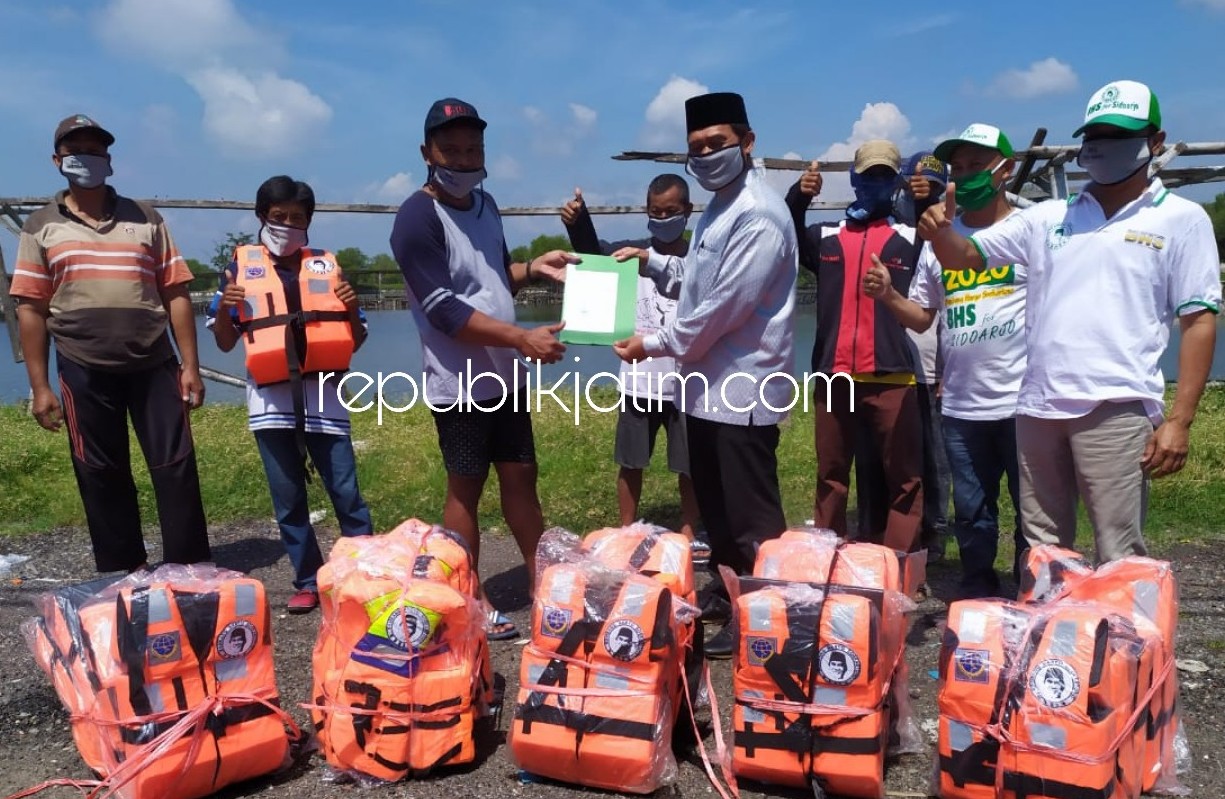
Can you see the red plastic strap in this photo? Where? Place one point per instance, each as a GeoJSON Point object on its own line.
{"type": "Point", "coordinates": [721, 752]}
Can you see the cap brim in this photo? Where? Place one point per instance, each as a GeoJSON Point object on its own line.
{"type": "Point", "coordinates": [871, 162]}
{"type": "Point", "coordinates": [945, 149]}
{"type": "Point", "coordinates": [1115, 120]}
{"type": "Point", "coordinates": [106, 134]}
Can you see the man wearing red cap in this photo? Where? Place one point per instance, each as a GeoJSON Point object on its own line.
{"type": "Point", "coordinates": [449, 243]}
{"type": "Point", "coordinates": [100, 275]}
{"type": "Point", "coordinates": [731, 334]}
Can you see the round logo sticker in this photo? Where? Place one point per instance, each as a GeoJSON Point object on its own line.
{"type": "Point", "coordinates": [1058, 235]}
{"type": "Point", "coordinates": [1055, 683]}
{"type": "Point", "coordinates": [236, 640]}
{"type": "Point", "coordinates": [408, 626]}
{"type": "Point", "coordinates": [164, 647]}
{"type": "Point", "coordinates": [320, 266]}
{"type": "Point", "coordinates": [838, 664]}
{"type": "Point", "coordinates": [554, 622]}
{"type": "Point", "coordinates": [624, 640]}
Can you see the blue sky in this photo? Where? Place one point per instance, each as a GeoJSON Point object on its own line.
{"type": "Point", "coordinates": [207, 98]}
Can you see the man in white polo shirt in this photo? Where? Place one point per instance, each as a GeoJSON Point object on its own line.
{"type": "Point", "coordinates": [1109, 270]}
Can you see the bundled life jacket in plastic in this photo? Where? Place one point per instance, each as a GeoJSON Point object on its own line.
{"type": "Point", "coordinates": [1041, 702]}
{"type": "Point", "coordinates": [639, 548]}
{"type": "Point", "coordinates": [271, 347]}
{"type": "Point", "coordinates": [181, 666]}
{"type": "Point", "coordinates": [1048, 570]}
{"type": "Point", "coordinates": [400, 664]}
{"type": "Point", "coordinates": [821, 633]}
{"type": "Point", "coordinates": [596, 682]}
{"type": "Point", "coordinates": [1145, 592]}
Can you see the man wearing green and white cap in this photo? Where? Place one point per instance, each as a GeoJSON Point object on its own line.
{"type": "Point", "coordinates": [982, 341]}
{"type": "Point", "coordinates": [1109, 270]}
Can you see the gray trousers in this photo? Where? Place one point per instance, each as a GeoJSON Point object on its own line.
{"type": "Point", "coordinates": [1095, 457]}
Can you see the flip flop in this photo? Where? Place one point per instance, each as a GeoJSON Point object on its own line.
{"type": "Point", "coordinates": [498, 619]}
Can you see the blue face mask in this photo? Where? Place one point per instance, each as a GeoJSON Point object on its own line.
{"type": "Point", "coordinates": [873, 197]}
{"type": "Point", "coordinates": [667, 230]}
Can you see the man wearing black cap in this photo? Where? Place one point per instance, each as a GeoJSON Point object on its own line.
{"type": "Point", "coordinates": [100, 274]}
{"type": "Point", "coordinates": [731, 336]}
{"type": "Point", "coordinates": [449, 242]}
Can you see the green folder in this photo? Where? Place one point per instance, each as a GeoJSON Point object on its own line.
{"type": "Point", "coordinates": [599, 304]}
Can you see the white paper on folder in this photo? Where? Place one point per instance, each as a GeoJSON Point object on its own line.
{"type": "Point", "coordinates": [591, 301]}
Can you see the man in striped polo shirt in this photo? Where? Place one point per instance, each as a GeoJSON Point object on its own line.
{"type": "Point", "coordinates": [99, 274]}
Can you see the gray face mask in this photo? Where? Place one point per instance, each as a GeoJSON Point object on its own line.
{"type": "Point", "coordinates": [667, 230]}
{"type": "Point", "coordinates": [715, 170]}
{"type": "Point", "coordinates": [86, 170]}
{"type": "Point", "coordinates": [458, 183]}
{"type": "Point", "coordinates": [1110, 161]}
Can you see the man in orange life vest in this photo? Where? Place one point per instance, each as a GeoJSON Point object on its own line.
{"type": "Point", "coordinates": [100, 274]}
{"type": "Point", "coordinates": [299, 321]}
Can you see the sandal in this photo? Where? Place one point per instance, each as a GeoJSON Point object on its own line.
{"type": "Point", "coordinates": [699, 549]}
{"type": "Point", "coordinates": [500, 627]}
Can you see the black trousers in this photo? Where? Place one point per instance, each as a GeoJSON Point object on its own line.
{"type": "Point", "coordinates": [735, 477]}
{"type": "Point", "coordinates": [96, 407]}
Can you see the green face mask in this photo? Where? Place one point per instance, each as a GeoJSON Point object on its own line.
{"type": "Point", "coordinates": [975, 192]}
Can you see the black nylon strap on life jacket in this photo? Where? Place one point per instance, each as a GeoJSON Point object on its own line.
{"type": "Point", "coordinates": [395, 765]}
{"type": "Point", "coordinates": [795, 738]}
{"type": "Point", "coordinates": [588, 723]}
{"type": "Point", "coordinates": [1025, 785]}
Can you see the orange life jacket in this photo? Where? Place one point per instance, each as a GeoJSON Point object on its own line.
{"type": "Point", "coordinates": [639, 548]}
{"type": "Point", "coordinates": [1144, 591]}
{"type": "Point", "coordinates": [155, 652]}
{"type": "Point", "coordinates": [269, 337]}
{"type": "Point", "coordinates": [595, 684]}
{"type": "Point", "coordinates": [401, 668]}
{"type": "Point", "coordinates": [1048, 570]}
{"type": "Point", "coordinates": [822, 629]}
{"type": "Point", "coordinates": [1041, 702]}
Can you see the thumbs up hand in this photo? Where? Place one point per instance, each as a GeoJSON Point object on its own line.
{"type": "Point", "coordinates": [571, 210]}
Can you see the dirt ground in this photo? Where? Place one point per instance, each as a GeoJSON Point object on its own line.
{"type": "Point", "coordinates": [35, 744]}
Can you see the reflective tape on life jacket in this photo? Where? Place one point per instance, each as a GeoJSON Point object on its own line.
{"type": "Point", "coordinates": [1144, 591]}
{"type": "Point", "coordinates": [663, 555]}
{"type": "Point", "coordinates": [594, 704]}
{"type": "Point", "coordinates": [810, 689]}
{"type": "Point", "coordinates": [269, 341]}
{"type": "Point", "coordinates": [157, 653]}
{"type": "Point", "coordinates": [396, 671]}
{"type": "Point", "coordinates": [1041, 701]}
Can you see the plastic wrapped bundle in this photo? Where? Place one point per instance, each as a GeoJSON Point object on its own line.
{"type": "Point", "coordinates": [819, 675]}
{"type": "Point", "coordinates": [168, 676]}
{"type": "Point", "coordinates": [1145, 592]}
{"type": "Point", "coordinates": [1049, 571]}
{"type": "Point", "coordinates": [1042, 701]}
{"type": "Point", "coordinates": [647, 549]}
{"type": "Point", "coordinates": [401, 667]}
{"type": "Point", "coordinates": [597, 682]}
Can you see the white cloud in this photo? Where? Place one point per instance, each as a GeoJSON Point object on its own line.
{"type": "Point", "coordinates": [945, 136]}
{"type": "Point", "coordinates": [395, 188]}
{"type": "Point", "coordinates": [877, 121]}
{"type": "Point", "coordinates": [792, 155]}
{"type": "Point", "coordinates": [1048, 76]}
{"type": "Point", "coordinates": [229, 63]}
{"type": "Point", "coordinates": [665, 114]}
{"type": "Point", "coordinates": [913, 27]}
{"type": "Point", "coordinates": [584, 117]}
{"type": "Point", "coordinates": [260, 115]}
{"type": "Point", "coordinates": [505, 167]}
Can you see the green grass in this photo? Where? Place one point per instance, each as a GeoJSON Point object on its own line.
{"type": "Point", "coordinates": [401, 474]}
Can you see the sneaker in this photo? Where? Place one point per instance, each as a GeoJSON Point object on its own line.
{"type": "Point", "coordinates": [304, 601]}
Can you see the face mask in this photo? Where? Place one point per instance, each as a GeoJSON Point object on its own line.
{"type": "Point", "coordinates": [85, 170]}
{"type": "Point", "coordinates": [1110, 161]}
{"type": "Point", "coordinates": [667, 230]}
{"type": "Point", "coordinates": [977, 190]}
{"type": "Point", "coordinates": [458, 183]}
{"type": "Point", "coordinates": [873, 197]}
{"type": "Point", "coordinates": [715, 170]}
{"type": "Point", "coordinates": [281, 239]}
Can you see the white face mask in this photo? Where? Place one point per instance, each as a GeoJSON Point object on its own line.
{"type": "Point", "coordinates": [667, 230]}
{"type": "Point", "coordinates": [458, 183]}
{"type": "Point", "coordinates": [715, 170]}
{"type": "Point", "coordinates": [86, 170]}
{"type": "Point", "coordinates": [282, 240]}
{"type": "Point", "coordinates": [1110, 161]}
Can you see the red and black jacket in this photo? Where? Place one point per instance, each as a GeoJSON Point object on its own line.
{"type": "Point", "coordinates": [855, 334]}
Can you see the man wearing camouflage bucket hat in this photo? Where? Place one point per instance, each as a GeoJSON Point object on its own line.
{"type": "Point", "coordinates": [1110, 269]}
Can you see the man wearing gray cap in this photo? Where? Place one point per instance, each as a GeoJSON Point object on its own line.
{"type": "Point", "coordinates": [99, 274]}
{"type": "Point", "coordinates": [1110, 269]}
{"type": "Point", "coordinates": [732, 332]}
